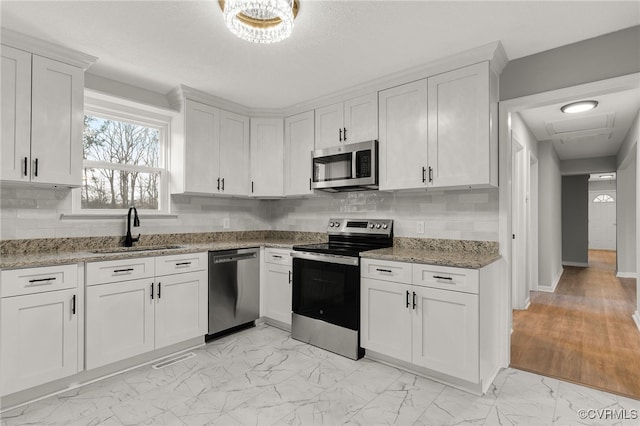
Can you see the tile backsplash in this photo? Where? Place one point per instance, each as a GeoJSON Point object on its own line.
{"type": "Point", "coordinates": [28, 212]}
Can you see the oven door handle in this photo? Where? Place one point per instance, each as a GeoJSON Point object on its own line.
{"type": "Point", "coordinates": [327, 258]}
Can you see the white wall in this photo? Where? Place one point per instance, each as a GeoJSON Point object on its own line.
{"type": "Point", "coordinates": [626, 216]}
{"type": "Point", "coordinates": [465, 214]}
{"type": "Point", "coordinates": [550, 216]}
{"type": "Point", "coordinates": [585, 166]}
{"type": "Point", "coordinates": [36, 213]}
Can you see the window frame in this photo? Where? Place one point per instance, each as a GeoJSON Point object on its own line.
{"type": "Point", "coordinates": [108, 107]}
{"type": "Point", "coordinates": [603, 199]}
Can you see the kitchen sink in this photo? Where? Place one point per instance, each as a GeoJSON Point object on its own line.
{"type": "Point", "coordinates": [138, 248]}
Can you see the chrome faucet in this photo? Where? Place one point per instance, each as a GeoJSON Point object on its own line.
{"type": "Point", "coordinates": [128, 239]}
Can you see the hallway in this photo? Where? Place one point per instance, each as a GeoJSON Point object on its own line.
{"type": "Point", "coordinates": [583, 332]}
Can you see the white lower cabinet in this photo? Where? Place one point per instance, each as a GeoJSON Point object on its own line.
{"type": "Point", "coordinates": [278, 276]}
{"type": "Point", "coordinates": [406, 315]}
{"type": "Point", "coordinates": [39, 326]}
{"type": "Point", "coordinates": [128, 317]}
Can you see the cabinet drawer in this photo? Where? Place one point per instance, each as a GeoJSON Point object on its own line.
{"type": "Point", "coordinates": [119, 270]}
{"type": "Point", "coordinates": [386, 270]}
{"type": "Point", "coordinates": [277, 256]}
{"type": "Point", "coordinates": [446, 278]}
{"type": "Point", "coordinates": [15, 282]}
{"type": "Point", "coordinates": [178, 263]}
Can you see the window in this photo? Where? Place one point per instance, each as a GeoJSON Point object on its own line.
{"type": "Point", "coordinates": [123, 159]}
{"type": "Point", "coordinates": [603, 198]}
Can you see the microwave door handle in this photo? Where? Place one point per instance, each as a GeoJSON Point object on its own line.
{"type": "Point", "coordinates": [354, 165]}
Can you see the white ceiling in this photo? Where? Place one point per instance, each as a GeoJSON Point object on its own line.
{"type": "Point", "coordinates": [595, 133]}
{"type": "Point", "coordinates": [158, 45]}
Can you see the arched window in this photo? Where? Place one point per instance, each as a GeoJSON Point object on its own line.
{"type": "Point", "coordinates": [603, 198]}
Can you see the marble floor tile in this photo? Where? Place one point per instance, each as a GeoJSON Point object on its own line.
{"type": "Point", "coordinates": [261, 376]}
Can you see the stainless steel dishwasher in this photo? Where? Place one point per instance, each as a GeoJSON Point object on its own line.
{"type": "Point", "coordinates": [234, 289]}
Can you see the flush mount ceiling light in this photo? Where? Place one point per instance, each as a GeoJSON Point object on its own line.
{"type": "Point", "coordinates": [260, 21]}
{"type": "Point", "coordinates": [580, 106]}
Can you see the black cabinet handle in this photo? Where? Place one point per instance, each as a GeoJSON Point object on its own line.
{"type": "Point", "coordinates": [340, 135]}
{"type": "Point", "coordinates": [115, 271]}
{"type": "Point", "coordinates": [218, 184]}
{"type": "Point", "coordinates": [252, 187]}
{"type": "Point", "coordinates": [277, 256]}
{"type": "Point", "coordinates": [384, 270]}
{"type": "Point", "coordinates": [414, 300]}
{"type": "Point", "coordinates": [73, 305]}
{"type": "Point", "coordinates": [344, 137]}
{"type": "Point", "coordinates": [159, 289]}
{"type": "Point", "coordinates": [183, 263]}
{"type": "Point", "coordinates": [430, 174]}
{"type": "Point", "coordinates": [407, 298]}
{"type": "Point", "coordinates": [26, 164]}
{"type": "Point", "coordinates": [35, 172]}
{"type": "Point", "coordinates": [42, 279]}
{"type": "Point", "coordinates": [438, 277]}
{"type": "Point", "coordinates": [151, 291]}
{"type": "Point", "coordinates": [424, 175]}
{"type": "Point", "coordinates": [309, 184]}
{"type": "Point", "coordinates": [289, 277]}
{"type": "Point", "coordinates": [223, 184]}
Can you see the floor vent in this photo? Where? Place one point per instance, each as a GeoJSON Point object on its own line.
{"type": "Point", "coordinates": [168, 362]}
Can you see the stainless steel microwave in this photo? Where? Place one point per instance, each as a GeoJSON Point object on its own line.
{"type": "Point", "coordinates": [349, 167]}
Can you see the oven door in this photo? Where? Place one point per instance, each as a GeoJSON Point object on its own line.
{"type": "Point", "coordinates": [327, 288]}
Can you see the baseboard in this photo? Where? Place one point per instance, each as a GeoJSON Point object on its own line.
{"type": "Point", "coordinates": [626, 275]}
{"type": "Point", "coordinates": [636, 319]}
{"type": "Point", "coordinates": [578, 264]}
{"type": "Point", "coordinates": [527, 303]}
{"type": "Point", "coordinates": [552, 287]}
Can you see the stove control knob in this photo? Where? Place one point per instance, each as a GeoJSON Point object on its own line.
{"type": "Point", "coordinates": [330, 224]}
{"type": "Point", "coordinates": [371, 226]}
{"type": "Point", "coordinates": [385, 226]}
{"type": "Point", "coordinates": [378, 226]}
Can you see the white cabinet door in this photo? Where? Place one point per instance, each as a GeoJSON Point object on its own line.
{"type": "Point", "coordinates": [119, 321]}
{"type": "Point", "coordinates": [181, 307]}
{"type": "Point", "coordinates": [298, 145]}
{"type": "Point", "coordinates": [278, 293]}
{"type": "Point", "coordinates": [39, 339]}
{"type": "Point", "coordinates": [267, 154]}
{"type": "Point", "coordinates": [386, 313]}
{"type": "Point", "coordinates": [361, 119]}
{"type": "Point", "coordinates": [16, 115]}
{"type": "Point", "coordinates": [234, 154]}
{"type": "Point", "coordinates": [460, 151]}
{"type": "Point", "coordinates": [329, 124]}
{"type": "Point", "coordinates": [445, 332]}
{"type": "Point", "coordinates": [57, 111]}
{"type": "Point", "coordinates": [202, 133]}
{"type": "Point", "coordinates": [403, 136]}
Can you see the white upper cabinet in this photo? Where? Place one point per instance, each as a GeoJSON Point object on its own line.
{"type": "Point", "coordinates": [298, 145]}
{"type": "Point", "coordinates": [440, 132]}
{"type": "Point", "coordinates": [42, 119]}
{"type": "Point", "coordinates": [202, 135]}
{"type": "Point", "coordinates": [403, 136]}
{"type": "Point", "coordinates": [234, 154]}
{"type": "Point", "coordinates": [355, 120]}
{"type": "Point", "coordinates": [462, 135]}
{"type": "Point", "coordinates": [210, 155]}
{"type": "Point", "coordinates": [16, 114]}
{"type": "Point", "coordinates": [267, 154]}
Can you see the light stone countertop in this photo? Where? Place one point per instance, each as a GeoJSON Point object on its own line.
{"type": "Point", "coordinates": [70, 257]}
{"type": "Point", "coordinates": [458, 259]}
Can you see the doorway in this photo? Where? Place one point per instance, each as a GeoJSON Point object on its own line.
{"type": "Point", "coordinates": [509, 153]}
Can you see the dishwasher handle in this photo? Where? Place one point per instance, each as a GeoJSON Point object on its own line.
{"type": "Point", "coordinates": [234, 257]}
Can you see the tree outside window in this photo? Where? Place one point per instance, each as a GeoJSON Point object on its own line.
{"type": "Point", "coordinates": [121, 164]}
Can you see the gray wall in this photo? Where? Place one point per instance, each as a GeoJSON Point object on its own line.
{"type": "Point", "coordinates": [599, 58]}
{"type": "Point", "coordinates": [575, 219]}
{"type": "Point", "coordinates": [550, 215]}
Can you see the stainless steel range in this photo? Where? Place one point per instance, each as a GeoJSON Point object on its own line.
{"type": "Point", "coordinates": [326, 284]}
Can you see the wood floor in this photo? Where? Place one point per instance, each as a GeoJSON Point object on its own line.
{"type": "Point", "coordinates": [583, 332]}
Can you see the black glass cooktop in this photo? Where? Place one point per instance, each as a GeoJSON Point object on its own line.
{"type": "Point", "coordinates": [352, 250]}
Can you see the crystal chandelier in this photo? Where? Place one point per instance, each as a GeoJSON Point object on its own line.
{"type": "Point", "coordinates": [260, 21]}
